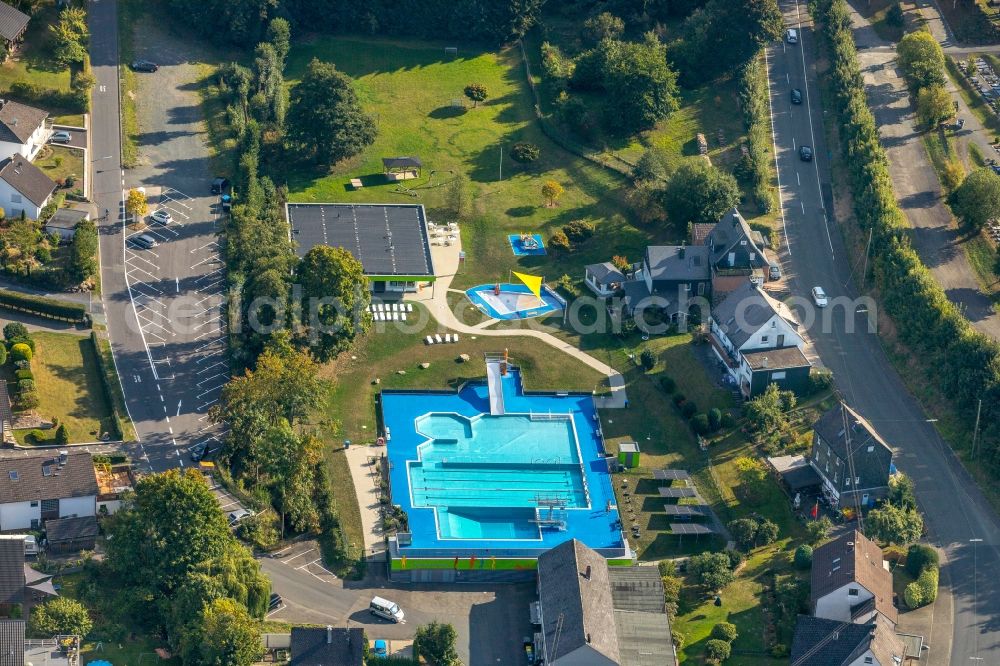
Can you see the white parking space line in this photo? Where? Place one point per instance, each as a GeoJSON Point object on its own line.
{"type": "Point", "coordinates": [211, 244]}
{"type": "Point", "coordinates": [136, 284]}
{"type": "Point", "coordinates": [216, 376]}
{"type": "Point", "coordinates": [295, 557]}
{"type": "Point", "coordinates": [308, 563]}
{"type": "Point", "coordinates": [209, 367]}
{"type": "Point", "coordinates": [132, 256]}
{"type": "Point", "coordinates": [207, 404]}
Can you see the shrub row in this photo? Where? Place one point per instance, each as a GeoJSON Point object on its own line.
{"type": "Point", "coordinates": [923, 590]}
{"type": "Point", "coordinates": [964, 364]}
{"type": "Point", "coordinates": [755, 105]}
{"type": "Point", "coordinates": [108, 377]}
{"type": "Point", "coordinates": [44, 307]}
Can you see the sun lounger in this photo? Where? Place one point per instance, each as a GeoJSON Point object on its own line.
{"type": "Point", "coordinates": [409, 307]}
{"type": "Point", "coordinates": [395, 316]}
{"type": "Point", "coordinates": [437, 338]}
{"type": "Point", "coordinates": [429, 340]}
{"type": "Point", "coordinates": [454, 338]}
{"type": "Point", "coordinates": [402, 316]}
{"type": "Point", "coordinates": [447, 337]}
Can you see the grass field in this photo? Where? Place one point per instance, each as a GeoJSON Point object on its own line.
{"type": "Point", "coordinates": [58, 162]}
{"type": "Point", "coordinates": [69, 386]}
{"type": "Point", "coordinates": [33, 62]}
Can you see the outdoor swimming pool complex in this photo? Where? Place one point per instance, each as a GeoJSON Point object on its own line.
{"type": "Point", "coordinates": [474, 482]}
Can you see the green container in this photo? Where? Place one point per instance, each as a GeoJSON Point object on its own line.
{"type": "Point", "coordinates": [628, 454]}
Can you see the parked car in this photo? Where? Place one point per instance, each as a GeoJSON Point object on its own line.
{"type": "Point", "coordinates": [144, 66]}
{"type": "Point", "coordinates": [238, 515]}
{"type": "Point", "coordinates": [386, 609]}
{"type": "Point", "coordinates": [805, 153]}
{"type": "Point", "coordinates": [275, 602]}
{"type": "Point", "coordinates": [198, 451]}
{"type": "Point", "coordinates": [145, 241]}
{"type": "Point", "coordinates": [380, 650]}
{"type": "Point", "coordinates": [774, 272]}
{"type": "Point", "coordinates": [219, 185]}
{"type": "Point", "coordinates": [819, 297]}
{"type": "Point", "coordinates": [161, 217]}
{"type": "Point", "coordinates": [792, 36]}
{"type": "Point", "coordinates": [796, 96]}
{"type": "Point", "coordinates": [61, 136]}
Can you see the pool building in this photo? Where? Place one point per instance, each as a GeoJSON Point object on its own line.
{"type": "Point", "coordinates": [491, 476]}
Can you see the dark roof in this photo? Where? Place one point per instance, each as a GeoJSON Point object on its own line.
{"type": "Point", "coordinates": [577, 607]}
{"type": "Point", "coordinates": [11, 570]}
{"type": "Point", "coordinates": [71, 529]}
{"type": "Point", "coordinates": [644, 639]}
{"type": "Point", "coordinates": [74, 478]}
{"type": "Point", "coordinates": [11, 642]}
{"type": "Point", "coordinates": [12, 22]}
{"type": "Point", "coordinates": [637, 588]}
{"type": "Point", "coordinates": [66, 218]}
{"type": "Point", "coordinates": [18, 121]}
{"type": "Point", "coordinates": [691, 528]}
{"type": "Point", "coordinates": [605, 273]}
{"type": "Point", "coordinates": [27, 179]}
{"type": "Point", "coordinates": [754, 307]}
{"type": "Point", "coordinates": [691, 510]}
{"type": "Point", "coordinates": [822, 642]}
{"type": "Point", "coordinates": [330, 646]}
{"type": "Point", "coordinates": [776, 359]}
{"type": "Point", "coordinates": [401, 162]}
{"type": "Point", "coordinates": [388, 239]}
{"type": "Point", "coordinates": [635, 292]}
{"type": "Point", "coordinates": [871, 466]}
{"type": "Point", "coordinates": [800, 477]}
{"type": "Point", "coordinates": [678, 263]}
{"type": "Point", "coordinates": [732, 231]}
{"type": "Point", "coordinates": [670, 475]}
{"type": "Point", "coordinates": [853, 558]}
{"type": "Point", "coordinates": [677, 492]}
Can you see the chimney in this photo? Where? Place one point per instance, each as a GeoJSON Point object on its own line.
{"type": "Point", "coordinates": [588, 636]}
{"type": "Point", "coordinates": [63, 456]}
{"type": "Point", "coordinates": [586, 574]}
{"type": "Point", "coordinates": [764, 362]}
{"type": "Point", "coordinates": [329, 634]}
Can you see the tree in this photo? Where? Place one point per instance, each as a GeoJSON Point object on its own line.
{"type": "Point", "coordinates": [229, 636]}
{"type": "Point", "coordinates": [893, 525]}
{"type": "Point", "coordinates": [61, 615]}
{"type": "Point", "coordinates": [325, 119]}
{"type": "Point", "coordinates": [901, 492]}
{"type": "Point", "coordinates": [551, 190]}
{"type": "Point", "coordinates": [819, 529]}
{"type": "Point", "coordinates": [698, 192]}
{"type": "Point", "coordinates": [711, 570]}
{"type": "Point", "coordinates": [603, 26]}
{"type": "Point", "coordinates": [62, 435]}
{"type": "Point", "coordinates": [14, 329]}
{"type": "Point", "coordinates": [647, 359]}
{"type": "Point", "coordinates": [336, 299]}
{"type": "Point", "coordinates": [724, 34]}
{"type": "Point", "coordinates": [767, 532]}
{"type": "Point", "coordinates": [70, 35]}
{"type": "Point", "coordinates": [559, 243]}
{"type": "Point", "coordinates": [744, 531]}
{"type": "Point", "coordinates": [894, 16]}
{"type": "Point", "coordinates": [753, 478]}
{"type": "Point", "coordinates": [82, 263]}
{"type": "Point", "coordinates": [135, 205]}
{"type": "Point", "coordinates": [270, 102]}
{"type": "Point", "coordinates": [725, 631]}
{"type": "Point", "coordinates": [476, 92]}
{"type": "Point", "coordinates": [934, 105]}
{"type": "Point", "coordinates": [621, 263]}
{"type": "Point", "coordinates": [651, 166]}
{"type": "Point", "coordinates": [524, 152]}
{"type": "Point", "coordinates": [279, 34]}
{"type": "Point", "coordinates": [435, 643]}
{"type": "Point", "coordinates": [921, 59]}
{"type": "Point", "coordinates": [919, 557]}
{"type": "Point", "coordinates": [977, 199]}
{"type": "Point", "coordinates": [717, 651]}
{"type": "Point", "coordinates": [803, 557]}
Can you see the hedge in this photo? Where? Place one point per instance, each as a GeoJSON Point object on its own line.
{"type": "Point", "coordinates": [963, 363]}
{"type": "Point", "coordinates": [44, 307]}
{"type": "Point", "coordinates": [755, 105]}
{"type": "Point", "coordinates": [108, 379]}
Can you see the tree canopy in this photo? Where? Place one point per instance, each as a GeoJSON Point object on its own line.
{"type": "Point", "coordinates": [61, 615]}
{"type": "Point", "coordinates": [435, 643]}
{"type": "Point", "coordinates": [723, 35]}
{"type": "Point", "coordinates": [890, 524]}
{"type": "Point", "coordinates": [336, 296]}
{"type": "Point", "coordinates": [921, 59]}
{"type": "Point", "coordinates": [977, 199]}
{"type": "Point", "coordinates": [698, 192]}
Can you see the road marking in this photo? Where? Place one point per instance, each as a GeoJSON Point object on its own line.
{"type": "Point", "coordinates": [178, 408]}
{"type": "Point", "coordinates": [215, 376]}
{"type": "Point", "coordinates": [793, 143]}
{"type": "Point", "coordinates": [177, 281]}
{"type": "Point", "coordinates": [308, 563]}
{"type": "Point", "coordinates": [798, 181]}
{"type": "Point", "coordinates": [788, 78]}
{"type": "Point", "coordinates": [803, 204]}
{"type": "Point", "coordinates": [171, 431]}
{"type": "Point", "coordinates": [295, 557]}
{"type": "Point", "coordinates": [207, 404]}
{"type": "Point", "coordinates": [774, 146]}
{"type": "Point", "coordinates": [207, 368]}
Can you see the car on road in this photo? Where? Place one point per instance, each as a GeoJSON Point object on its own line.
{"type": "Point", "coordinates": [61, 136]}
{"type": "Point", "coordinates": [161, 217]}
{"type": "Point", "coordinates": [219, 185]}
{"type": "Point", "coordinates": [380, 650]}
{"type": "Point", "coordinates": [144, 66]}
{"type": "Point", "coordinates": [774, 272]}
{"type": "Point", "coordinates": [796, 96]}
{"type": "Point", "coordinates": [805, 153]}
{"type": "Point", "coordinates": [145, 241]}
{"type": "Point", "coordinates": [819, 297]}
{"type": "Point", "coordinates": [792, 36]}
{"type": "Point", "coordinates": [386, 609]}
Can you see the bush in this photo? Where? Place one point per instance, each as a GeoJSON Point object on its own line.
{"type": "Point", "coordinates": [61, 615]}
{"type": "Point", "coordinates": [677, 638]}
{"type": "Point", "coordinates": [699, 423]}
{"type": "Point", "coordinates": [803, 557]}
{"type": "Point", "coordinates": [779, 651]}
{"type": "Point", "coordinates": [260, 530]}
{"type": "Point", "coordinates": [21, 374]}
{"type": "Point", "coordinates": [714, 419]}
{"type": "Point", "coordinates": [928, 582]}
{"type": "Point", "coordinates": [26, 400]}
{"type": "Point", "coordinates": [45, 307]}
{"type": "Point", "coordinates": [679, 399]}
{"type": "Point", "coordinates": [559, 243]}
{"type": "Point", "coordinates": [3, 354]}
{"type": "Point", "coordinates": [725, 631]}
{"type": "Point", "coordinates": [894, 16]}
{"type": "Point", "coordinates": [913, 595]}
{"type": "Point", "coordinates": [647, 359]}
{"type": "Point", "coordinates": [36, 436]}
{"type": "Point", "coordinates": [718, 651]}
{"type": "Point", "coordinates": [668, 384]}
{"type": "Point", "coordinates": [688, 409]}
{"type": "Point", "coordinates": [728, 420]}
{"type": "Point", "coordinates": [26, 385]}
{"type": "Point", "coordinates": [15, 329]}
{"type": "Point", "coordinates": [736, 558]}
{"type": "Point", "coordinates": [524, 152]}
{"type": "Point", "coordinates": [62, 435]}
{"type": "Point", "coordinates": [23, 340]}
{"type": "Point", "coordinates": [820, 380]}
{"type": "Point", "coordinates": [578, 231]}
{"type": "Point", "coordinates": [919, 557]}
{"type": "Point", "coordinates": [20, 352]}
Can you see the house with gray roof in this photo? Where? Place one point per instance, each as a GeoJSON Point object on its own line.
{"type": "Point", "coordinates": [757, 339]}
{"type": "Point", "coordinates": [822, 642]}
{"type": "Point", "coordinates": [13, 24]}
{"type": "Point", "coordinates": [604, 279]}
{"type": "Point", "coordinates": [24, 188]}
{"type": "Point", "coordinates": [19, 583]}
{"type": "Point", "coordinates": [668, 280]}
{"type": "Point", "coordinates": [11, 642]}
{"type": "Point", "coordinates": [23, 129]}
{"type": "Point", "coordinates": [593, 614]}
{"type": "Point", "coordinates": [843, 439]}
{"type": "Point", "coordinates": [37, 488]}
{"type": "Point", "coordinates": [330, 646]}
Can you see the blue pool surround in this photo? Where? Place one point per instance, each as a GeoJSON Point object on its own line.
{"type": "Point", "coordinates": [517, 245]}
{"type": "Point", "coordinates": [484, 297]}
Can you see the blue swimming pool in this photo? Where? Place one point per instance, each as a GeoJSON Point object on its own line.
{"type": "Point", "coordinates": [514, 301]}
{"type": "Point", "coordinates": [527, 244]}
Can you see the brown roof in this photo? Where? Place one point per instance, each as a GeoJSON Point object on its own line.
{"type": "Point", "coordinates": [43, 477]}
{"type": "Point", "coordinates": [27, 179]}
{"type": "Point", "coordinates": [776, 359]}
{"type": "Point", "coordinates": [853, 558]}
{"type": "Point", "coordinates": [700, 232]}
{"type": "Point", "coordinates": [19, 121]}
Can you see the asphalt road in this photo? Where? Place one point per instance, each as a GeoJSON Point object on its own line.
{"type": "Point", "coordinates": [163, 305]}
{"type": "Point", "coordinates": [954, 508]}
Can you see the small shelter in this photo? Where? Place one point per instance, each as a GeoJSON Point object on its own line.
{"type": "Point", "coordinates": [13, 23]}
{"type": "Point", "coordinates": [401, 168]}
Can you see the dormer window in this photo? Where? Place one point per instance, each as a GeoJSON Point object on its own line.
{"type": "Point", "coordinates": [743, 242]}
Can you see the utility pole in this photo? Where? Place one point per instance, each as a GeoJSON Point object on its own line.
{"type": "Point", "coordinates": [501, 163]}
{"type": "Point", "coordinates": [864, 273]}
{"type": "Point", "coordinates": [975, 432]}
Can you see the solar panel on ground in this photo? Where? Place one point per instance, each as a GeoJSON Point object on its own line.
{"type": "Point", "coordinates": [685, 510]}
{"type": "Point", "coordinates": [671, 475]}
{"type": "Point", "coordinates": [690, 528]}
{"type": "Point", "coordinates": [677, 492]}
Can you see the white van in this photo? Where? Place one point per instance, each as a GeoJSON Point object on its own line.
{"type": "Point", "coordinates": [792, 36]}
{"type": "Point", "coordinates": [386, 609]}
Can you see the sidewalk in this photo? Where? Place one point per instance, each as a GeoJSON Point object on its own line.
{"type": "Point", "coordinates": [365, 478]}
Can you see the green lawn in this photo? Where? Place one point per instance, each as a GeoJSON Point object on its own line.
{"type": "Point", "coordinates": [59, 162]}
{"type": "Point", "coordinates": [69, 386]}
{"type": "Point", "coordinates": [33, 62]}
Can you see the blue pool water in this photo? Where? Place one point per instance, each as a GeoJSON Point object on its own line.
{"type": "Point", "coordinates": [515, 301]}
{"type": "Point", "coordinates": [517, 245]}
{"type": "Point", "coordinates": [480, 482]}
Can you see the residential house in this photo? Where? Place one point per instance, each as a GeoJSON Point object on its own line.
{"type": "Point", "coordinates": [19, 583]}
{"type": "Point", "coordinates": [844, 441]}
{"type": "Point", "coordinates": [23, 129]}
{"type": "Point", "coordinates": [24, 188]}
{"type": "Point", "coordinates": [43, 487]}
{"type": "Point", "coordinates": [667, 280]}
{"type": "Point", "coordinates": [64, 221]}
{"type": "Point", "coordinates": [594, 615]}
{"type": "Point", "coordinates": [851, 581]}
{"type": "Point", "coordinates": [757, 339]}
{"type": "Point", "coordinates": [113, 481]}
{"type": "Point", "coordinates": [71, 535]}
{"type": "Point", "coordinates": [11, 642]}
{"type": "Point", "coordinates": [332, 646]}
{"type": "Point", "coordinates": [603, 279]}
{"type": "Point", "coordinates": [737, 253]}
{"type": "Point", "coordinates": [13, 24]}
{"type": "Point", "coordinates": [823, 642]}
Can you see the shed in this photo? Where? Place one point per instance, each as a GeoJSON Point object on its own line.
{"type": "Point", "coordinates": [13, 23]}
{"type": "Point", "coordinates": [401, 168]}
{"type": "Point", "coordinates": [64, 222]}
{"type": "Point", "coordinates": [628, 454]}
{"type": "Point", "coordinates": [71, 535]}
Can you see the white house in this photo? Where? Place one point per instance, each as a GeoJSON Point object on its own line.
{"type": "Point", "coordinates": [42, 487]}
{"type": "Point", "coordinates": [23, 188]}
{"type": "Point", "coordinates": [821, 642]}
{"type": "Point", "coordinates": [851, 581]}
{"type": "Point", "coordinates": [23, 130]}
{"type": "Point", "coordinates": [604, 279]}
{"type": "Point", "coordinates": [758, 340]}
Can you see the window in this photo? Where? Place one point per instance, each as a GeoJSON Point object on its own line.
{"type": "Point", "coordinates": [15, 197]}
{"type": "Point", "coordinates": [12, 474]}
{"type": "Point", "coordinates": [701, 288]}
{"type": "Point", "coordinates": [871, 448]}
{"type": "Point", "coordinates": [857, 480]}
{"type": "Point", "coordinates": [34, 504]}
{"type": "Point", "coordinates": [852, 592]}
{"type": "Point", "coordinates": [778, 375]}
{"type": "Point", "coordinates": [868, 660]}
{"type": "Point", "coordinates": [763, 339]}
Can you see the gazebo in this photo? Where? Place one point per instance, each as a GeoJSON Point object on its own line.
{"type": "Point", "coordinates": [13, 23]}
{"type": "Point", "coordinates": [401, 168]}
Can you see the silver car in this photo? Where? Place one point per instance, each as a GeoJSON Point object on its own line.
{"type": "Point", "coordinates": [61, 136]}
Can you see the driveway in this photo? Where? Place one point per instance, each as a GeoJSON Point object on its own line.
{"type": "Point", "coordinates": [77, 137]}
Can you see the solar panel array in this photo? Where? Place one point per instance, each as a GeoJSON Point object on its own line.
{"type": "Point", "coordinates": [685, 510]}
{"type": "Point", "coordinates": [671, 475]}
{"type": "Point", "coordinates": [677, 492]}
{"type": "Point", "coordinates": [387, 239]}
{"type": "Point", "coordinates": [690, 528]}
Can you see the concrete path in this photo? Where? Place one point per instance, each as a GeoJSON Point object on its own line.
{"type": "Point", "coordinates": [365, 478]}
{"type": "Point", "coordinates": [446, 262]}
